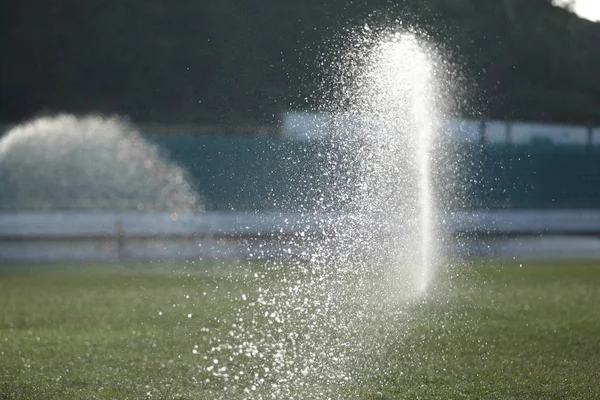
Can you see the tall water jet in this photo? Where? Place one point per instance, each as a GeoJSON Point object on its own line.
{"type": "Point", "coordinates": [71, 163]}
{"type": "Point", "coordinates": [406, 60]}
{"type": "Point", "coordinates": [391, 105]}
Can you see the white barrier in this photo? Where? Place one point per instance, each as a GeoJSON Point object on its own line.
{"type": "Point", "coordinates": [114, 236]}
{"type": "Point", "coordinates": [135, 235]}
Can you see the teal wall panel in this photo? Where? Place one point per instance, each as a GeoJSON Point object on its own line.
{"type": "Point", "coordinates": [248, 174]}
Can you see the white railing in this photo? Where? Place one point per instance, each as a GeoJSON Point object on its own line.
{"type": "Point", "coordinates": [152, 236]}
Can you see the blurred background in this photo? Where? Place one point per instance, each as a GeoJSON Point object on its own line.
{"type": "Point", "coordinates": [243, 63]}
{"type": "Point", "coordinates": [233, 93]}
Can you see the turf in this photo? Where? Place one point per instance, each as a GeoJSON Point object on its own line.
{"type": "Point", "coordinates": [485, 331]}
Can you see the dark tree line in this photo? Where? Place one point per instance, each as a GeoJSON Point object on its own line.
{"type": "Point", "coordinates": [245, 61]}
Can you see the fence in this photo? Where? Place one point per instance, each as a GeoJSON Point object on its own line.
{"type": "Point", "coordinates": [216, 235]}
{"type": "Point", "coordinates": [251, 185]}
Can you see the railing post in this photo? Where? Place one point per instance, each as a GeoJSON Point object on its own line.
{"type": "Point", "coordinates": [508, 132]}
{"type": "Point", "coordinates": [120, 237]}
{"type": "Point", "coordinates": [482, 132]}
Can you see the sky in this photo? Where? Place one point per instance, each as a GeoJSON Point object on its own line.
{"type": "Point", "coordinates": [589, 9]}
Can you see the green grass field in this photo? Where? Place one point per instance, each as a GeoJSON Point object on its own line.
{"type": "Point", "coordinates": [485, 331]}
